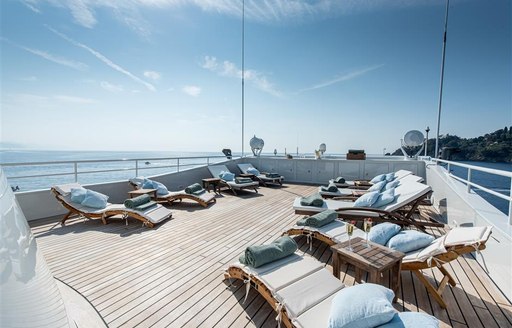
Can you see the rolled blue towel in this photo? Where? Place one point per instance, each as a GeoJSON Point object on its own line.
{"type": "Point", "coordinates": [318, 220]}
{"type": "Point", "coordinates": [145, 206]}
{"type": "Point", "coordinates": [256, 256]}
{"type": "Point", "coordinates": [243, 180]}
{"type": "Point", "coordinates": [137, 201]}
{"type": "Point", "coordinates": [193, 188]}
{"type": "Point", "coordinates": [199, 192]}
{"type": "Point", "coordinates": [313, 200]}
{"type": "Point", "coordinates": [340, 180]}
{"type": "Point", "coordinates": [330, 188]}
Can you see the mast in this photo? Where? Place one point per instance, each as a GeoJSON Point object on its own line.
{"type": "Point", "coordinates": [243, 72]}
{"type": "Point", "coordinates": [436, 154]}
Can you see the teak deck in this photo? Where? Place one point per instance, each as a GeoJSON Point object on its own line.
{"type": "Point", "coordinates": [172, 275]}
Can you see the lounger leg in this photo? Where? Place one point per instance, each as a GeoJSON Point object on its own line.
{"type": "Point", "coordinates": [255, 189]}
{"type": "Point", "coordinates": [65, 218]}
{"type": "Point", "coordinates": [431, 289]}
{"type": "Point", "coordinates": [447, 275]}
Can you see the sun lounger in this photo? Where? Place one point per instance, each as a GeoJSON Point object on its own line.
{"type": "Point", "coordinates": [262, 177]}
{"type": "Point", "coordinates": [352, 194]}
{"type": "Point", "coordinates": [203, 199]}
{"type": "Point", "coordinates": [458, 241]}
{"type": "Point", "coordinates": [365, 184]}
{"type": "Point", "coordinates": [149, 217]}
{"type": "Point", "coordinates": [216, 170]}
{"type": "Point", "coordinates": [400, 211]}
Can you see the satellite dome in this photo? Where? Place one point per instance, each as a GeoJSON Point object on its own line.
{"type": "Point", "coordinates": [256, 145]}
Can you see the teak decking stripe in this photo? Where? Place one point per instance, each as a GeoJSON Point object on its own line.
{"type": "Point", "coordinates": [171, 276]}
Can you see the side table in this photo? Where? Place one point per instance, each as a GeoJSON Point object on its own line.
{"type": "Point", "coordinates": [375, 260]}
{"type": "Point", "coordinates": [214, 182]}
{"type": "Point", "coordinates": [138, 192]}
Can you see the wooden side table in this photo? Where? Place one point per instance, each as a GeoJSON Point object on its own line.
{"type": "Point", "coordinates": [375, 260]}
{"type": "Point", "coordinates": [214, 182]}
{"type": "Point", "coordinates": [138, 192]}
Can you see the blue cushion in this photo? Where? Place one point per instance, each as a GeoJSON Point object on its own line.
{"type": "Point", "coordinates": [412, 320]}
{"type": "Point", "coordinates": [409, 240]}
{"type": "Point", "coordinates": [390, 177]}
{"type": "Point", "coordinates": [227, 176]}
{"type": "Point", "coordinates": [385, 198]}
{"type": "Point", "coordinates": [78, 195]}
{"type": "Point", "coordinates": [367, 200]}
{"type": "Point", "coordinates": [161, 189]}
{"type": "Point", "coordinates": [363, 305]}
{"type": "Point", "coordinates": [252, 170]}
{"type": "Point", "coordinates": [378, 178]}
{"type": "Point", "coordinates": [392, 184]}
{"type": "Point", "coordinates": [377, 186]}
{"type": "Point", "coordinates": [381, 233]}
{"type": "Point", "coordinates": [95, 199]}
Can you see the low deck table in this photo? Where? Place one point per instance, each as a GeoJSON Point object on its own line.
{"type": "Point", "coordinates": [375, 260]}
{"type": "Point", "coordinates": [139, 192]}
{"type": "Point", "coordinates": [214, 182]}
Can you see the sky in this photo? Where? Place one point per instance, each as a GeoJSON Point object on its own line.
{"type": "Point", "coordinates": [166, 74]}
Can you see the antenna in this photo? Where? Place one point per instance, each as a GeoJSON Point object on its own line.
{"type": "Point", "coordinates": [412, 138]}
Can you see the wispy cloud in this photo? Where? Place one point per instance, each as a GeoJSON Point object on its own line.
{"type": "Point", "coordinates": [229, 69]}
{"type": "Point", "coordinates": [191, 90]}
{"type": "Point", "coordinates": [111, 87]}
{"type": "Point", "coordinates": [30, 5]}
{"type": "Point", "coordinates": [342, 78]}
{"type": "Point", "coordinates": [28, 78]}
{"type": "Point", "coordinates": [73, 99]}
{"type": "Point", "coordinates": [152, 75]}
{"type": "Point", "coordinates": [50, 57]}
{"type": "Point", "coordinates": [104, 59]}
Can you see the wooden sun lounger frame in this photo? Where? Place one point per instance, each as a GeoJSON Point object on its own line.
{"type": "Point", "coordinates": [401, 216]}
{"type": "Point", "coordinates": [451, 254]}
{"type": "Point", "coordinates": [225, 184]}
{"type": "Point", "coordinates": [178, 197]}
{"type": "Point", "coordinates": [239, 274]}
{"type": "Point", "coordinates": [103, 215]}
{"type": "Point", "coordinates": [269, 180]}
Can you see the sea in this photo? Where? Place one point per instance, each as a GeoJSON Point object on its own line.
{"type": "Point", "coordinates": [152, 164]}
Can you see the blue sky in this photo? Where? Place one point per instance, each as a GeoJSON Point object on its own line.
{"type": "Point", "coordinates": [165, 74]}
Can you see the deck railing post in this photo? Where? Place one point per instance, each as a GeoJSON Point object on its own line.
{"type": "Point", "coordinates": [510, 205]}
{"type": "Point", "coordinates": [207, 161]}
{"type": "Point", "coordinates": [178, 165]}
{"type": "Point", "coordinates": [136, 167]}
{"type": "Point", "coordinates": [469, 180]}
{"type": "Point", "coordinates": [75, 165]}
{"type": "Point", "coordinates": [448, 168]}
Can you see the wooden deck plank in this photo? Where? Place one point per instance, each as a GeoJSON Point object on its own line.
{"type": "Point", "coordinates": [171, 276]}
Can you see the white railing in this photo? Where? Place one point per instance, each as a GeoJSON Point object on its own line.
{"type": "Point", "coordinates": [470, 184]}
{"type": "Point", "coordinates": [180, 163]}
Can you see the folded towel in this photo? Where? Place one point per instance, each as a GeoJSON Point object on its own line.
{"type": "Point", "coordinates": [256, 256]}
{"type": "Point", "coordinates": [193, 188]}
{"type": "Point", "coordinates": [318, 220]}
{"type": "Point", "coordinates": [272, 175]}
{"type": "Point", "coordinates": [340, 180]}
{"type": "Point", "coordinates": [137, 201]}
{"type": "Point", "coordinates": [243, 180]}
{"type": "Point", "coordinates": [199, 192]}
{"type": "Point", "coordinates": [313, 200]}
{"type": "Point", "coordinates": [330, 188]}
{"type": "Point", "coordinates": [145, 206]}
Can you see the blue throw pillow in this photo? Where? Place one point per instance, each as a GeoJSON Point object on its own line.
{"type": "Point", "coordinates": [412, 320]}
{"type": "Point", "coordinates": [392, 184]}
{"type": "Point", "coordinates": [385, 198]}
{"type": "Point", "coordinates": [95, 199]}
{"type": "Point", "coordinates": [409, 240]}
{"type": "Point", "coordinates": [227, 176]}
{"type": "Point", "coordinates": [147, 184]}
{"type": "Point", "coordinates": [377, 186]}
{"type": "Point", "coordinates": [78, 195]}
{"type": "Point", "coordinates": [363, 305]}
{"type": "Point", "coordinates": [378, 178]}
{"type": "Point", "coordinates": [367, 200]}
{"type": "Point", "coordinates": [389, 177]}
{"type": "Point", "coordinates": [381, 233]}
{"type": "Point", "coordinates": [161, 189]}
{"type": "Point", "coordinates": [252, 170]}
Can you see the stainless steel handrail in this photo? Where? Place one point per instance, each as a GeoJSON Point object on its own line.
{"type": "Point", "coordinates": [471, 184]}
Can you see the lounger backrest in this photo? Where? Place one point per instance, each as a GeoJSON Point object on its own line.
{"type": "Point", "coordinates": [406, 193]}
{"type": "Point", "coordinates": [402, 173]}
{"type": "Point", "coordinates": [245, 166]}
{"type": "Point", "coordinates": [65, 189]}
{"type": "Point", "coordinates": [410, 178]}
{"type": "Point", "coordinates": [215, 170]}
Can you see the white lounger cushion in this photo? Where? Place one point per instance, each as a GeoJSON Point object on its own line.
{"type": "Point", "coordinates": [317, 316]}
{"type": "Point", "coordinates": [305, 293]}
{"type": "Point", "coordinates": [215, 170]}
{"type": "Point", "coordinates": [421, 255]}
{"type": "Point", "coordinates": [235, 185]}
{"type": "Point", "coordinates": [206, 196]}
{"type": "Point", "coordinates": [466, 235]}
{"type": "Point", "coordinates": [398, 175]}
